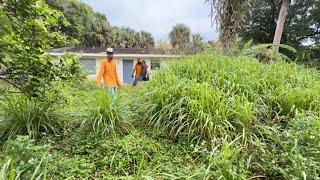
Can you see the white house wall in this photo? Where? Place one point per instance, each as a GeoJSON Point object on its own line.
{"type": "Point", "coordinates": [164, 62]}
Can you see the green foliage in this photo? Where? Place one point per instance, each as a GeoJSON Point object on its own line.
{"type": "Point", "coordinates": [265, 53]}
{"type": "Point", "coordinates": [301, 29]}
{"type": "Point", "coordinates": [31, 29]}
{"type": "Point", "coordinates": [212, 98]}
{"type": "Point", "coordinates": [21, 116]}
{"type": "Point", "coordinates": [291, 152]}
{"type": "Point", "coordinates": [109, 116]}
{"type": "Point", "coordinates": [23, 159]}
{"type": "Point", "coordinates": [7, 171]}
{"type": "Point", "coordinates": [204, 117]}
{"type": "Point", "coordinates": [180, 36]}
{"type": "Point", "coordinates": [183, 42]}
{"type": "Point", "coordinates": [208, 95]}
{"type": "Point", "coordinates": [93, 29]}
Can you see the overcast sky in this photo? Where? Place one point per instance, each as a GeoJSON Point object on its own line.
{"type": "Point", "coordinates": [157, 16]}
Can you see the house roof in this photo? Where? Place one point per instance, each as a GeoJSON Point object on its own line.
{"type": "Point", "coordinates": [102, 50]}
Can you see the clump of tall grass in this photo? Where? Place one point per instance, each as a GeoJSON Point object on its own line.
{"type": "Point", "coordinates": [21, 116]}
{"type": "Point", "coordinates": [108, 116]}
{"type": "Point", "coordinates": [271, 111]}
{"type": "Point", "coordinates": [209, 95]}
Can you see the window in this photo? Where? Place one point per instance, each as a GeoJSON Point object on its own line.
{"type": "Point", "coordinates": [155, 64]}
{"type": "Point", "coordinates": [88, 66]}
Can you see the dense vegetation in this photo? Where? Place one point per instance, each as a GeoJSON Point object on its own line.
{"type": "Point", "coordinates": [301, 31]}
{"type": "Point", "coordinates": [93, 28]}
{"type": "Point", "coordinates": [29, 29]}
{"type": "Point", "coordinates": [207, 116]}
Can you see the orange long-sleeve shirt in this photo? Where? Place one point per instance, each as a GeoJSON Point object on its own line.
{"type": "Point", "coordinates": [108, 72]}
{"type": "Point", "coordinates": [137, 69]}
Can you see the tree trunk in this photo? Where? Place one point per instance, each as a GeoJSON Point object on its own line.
{"type": "Point", "coordinates": [280, 24]}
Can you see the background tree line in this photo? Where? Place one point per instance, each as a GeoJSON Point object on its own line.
{"type": "Point", "coordinates": [240, 21]}
{"type": "Point", "coordinates": [301, 30]}
{"type": "Point", "coordinates": [93, 29]}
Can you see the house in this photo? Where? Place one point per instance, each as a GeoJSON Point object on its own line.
{"type": "Point", "coordinates": [125, 59]}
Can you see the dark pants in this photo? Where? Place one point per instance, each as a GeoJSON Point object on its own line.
{"type": "Point", "coordinates": [136, 79]}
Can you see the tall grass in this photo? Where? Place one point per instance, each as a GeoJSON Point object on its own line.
{"type": "Point", "coordinates": [271, 110]}
{"type": "Point", "coordinates": [20, 116]}
{"type": "Point", "coordinates": [109, 116]}
{"type": "Point", "coordinates": [209, 95]}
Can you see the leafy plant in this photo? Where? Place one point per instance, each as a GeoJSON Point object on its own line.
{"type": "Point", "coordinates": [23, 159]}
{"type": "Point", "coordinates": [265, 53]}
{"type": "Point", "coordinates": [31, 29]}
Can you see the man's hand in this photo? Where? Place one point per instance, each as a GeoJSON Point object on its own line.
{"type": "Point", "coordinates": [98, 85]}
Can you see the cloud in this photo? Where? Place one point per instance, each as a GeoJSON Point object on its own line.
{"type": "Point", "coordinates": [157, 16]}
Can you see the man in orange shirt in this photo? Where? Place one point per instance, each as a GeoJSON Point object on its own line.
{"type": "Point", "coordinates": [137, 72]}
{"type": "Point", "coordinates": [108, 72]}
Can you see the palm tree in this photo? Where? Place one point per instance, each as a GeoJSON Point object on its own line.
{"type": "Point", "coordinates": [197, 43]}
{"type": "Point", "coordinates": [229, 14]}
{"type": "Point", "coordinates": [146, 40]}
{"type": "Point", "coordinates": [280, 24]}
{"type": "Point", "coordinates": [180, 36]}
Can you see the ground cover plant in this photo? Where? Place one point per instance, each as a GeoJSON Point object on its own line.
{"type": "Point", "coordinates": [205, 117]}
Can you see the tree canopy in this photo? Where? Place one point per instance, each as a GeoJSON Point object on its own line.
{"type": "Point", "coordinates": [183, 41]}
{"type": "Point", "coordinates": [93, 29]}
{"type": "Point", "coordinates": [302, 26]}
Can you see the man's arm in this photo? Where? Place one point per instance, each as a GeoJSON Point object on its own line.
{"type": "Point", "coordinates": [134, 70]}
{"type": "Point", "coordinates": [101, 72]}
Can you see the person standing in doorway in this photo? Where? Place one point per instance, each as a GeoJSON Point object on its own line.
{"type": "Point", "coordinates": [136, 74]}
{"type": "Point", "coordinates": [108, 73]}
{"type": "Point", "coordinates": [145, 72]}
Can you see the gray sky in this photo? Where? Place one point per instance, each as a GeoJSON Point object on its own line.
{"type": "Point", "coordinates": [157, 16]}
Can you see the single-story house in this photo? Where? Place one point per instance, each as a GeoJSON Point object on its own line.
{"type": "Point", "coordinates": [125, 59]}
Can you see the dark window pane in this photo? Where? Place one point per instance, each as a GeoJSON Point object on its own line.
{"type": "Point", "coordinates": [155, 64]}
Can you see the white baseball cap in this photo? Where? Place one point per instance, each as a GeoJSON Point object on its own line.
{"type": "Point", "coordinates": [110, 50]}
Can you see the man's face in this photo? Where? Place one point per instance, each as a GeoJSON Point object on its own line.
{"type": "Point", "coordinates": [109, 55]}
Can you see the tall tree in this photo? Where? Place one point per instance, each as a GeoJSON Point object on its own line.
{"type": "Point", "coordinates": [197, 43]}
{"type": "Point", "coordinates": [301, 31]}
{"type": "Point", "coordinates": [93, 29]}
{"type": "Point", "coordinates": [146, 40]}
{"type": "Point", "coordinates": [280, 24]}
{"type": "Point", "coordinates": [229, 15]}
{"type": "Point", "coordinates": [180, 36]}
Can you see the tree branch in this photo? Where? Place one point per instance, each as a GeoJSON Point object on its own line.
{"type": "Point", "coordinates": [14, 85]}
{"type": "Point", "coordinates": [308, 35]}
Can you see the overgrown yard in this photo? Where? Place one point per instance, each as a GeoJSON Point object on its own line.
{"type": "Point", "coordinates": [205, 117]}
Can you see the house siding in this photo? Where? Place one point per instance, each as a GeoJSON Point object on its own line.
{"type": "Point", "coordinates": [164, 60]}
